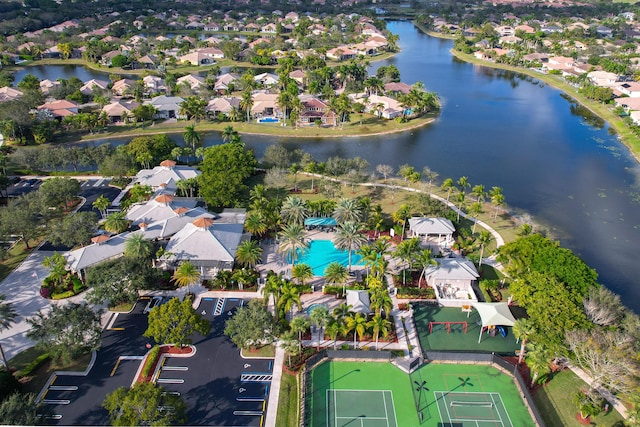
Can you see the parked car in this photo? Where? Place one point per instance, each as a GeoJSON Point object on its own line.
{"type": "Point", "coordinates": [153, 302]}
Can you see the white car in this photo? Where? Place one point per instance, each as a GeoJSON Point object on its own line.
{"type": "Point", "coordinates": [153, 302]}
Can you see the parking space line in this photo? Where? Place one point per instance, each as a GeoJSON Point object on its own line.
{"type": "Point", "coordinates": [249, 413]}
{"type": "Point", "coordinates": [115, 367]}
{"type": "Point", "coordinates": [250, 399]}
{"type": "Point", "coordinates": [169, 381]}
{"type": "Point", "coordinates": [50, 417]}
{"type": "Point", "coordinates": [99, 183]}
{"type": "Point", "coordinates": [63, 387]}
{"type": "Point", "coordinates": [56, 401]}
{"type": "Point", "coordinates": [175, 368]}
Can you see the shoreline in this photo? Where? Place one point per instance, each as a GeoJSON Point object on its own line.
{"type": "Point", "coordinates": [622, 131]}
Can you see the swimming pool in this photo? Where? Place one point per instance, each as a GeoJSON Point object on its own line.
{"type": "Point", "coordinates": [269, 120]}
{"type": "Point", "coordinates": [321, 253]}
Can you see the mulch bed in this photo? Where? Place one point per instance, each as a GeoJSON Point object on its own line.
{"type": "Point", "coordinates": [165, 349]}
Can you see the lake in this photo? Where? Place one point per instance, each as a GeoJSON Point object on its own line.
{"type": "Point", "coordinates": [499, 128]}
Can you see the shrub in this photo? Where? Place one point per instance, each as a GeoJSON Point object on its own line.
{"type": "Point", "coordinates": [77, 285]}
{"type": "Point", "coordinates": [62, 295]}
{"type": "Point", "coordinates": [151, 361]}
{"type": "Point", "coordinates": [45, 292]}
{"type": "Point", "coordinates": [35, 364]}
{"type": "Point", "coordinates": [8, 384]}
{"type": "Point", "coordinates": [419, 293]}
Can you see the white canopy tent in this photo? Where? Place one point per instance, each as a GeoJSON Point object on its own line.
{"type": "Point", "coordinates": [494, 313]}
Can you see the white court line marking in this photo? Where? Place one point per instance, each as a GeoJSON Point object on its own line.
{"type": "Point", "coordinates": [386, 414]}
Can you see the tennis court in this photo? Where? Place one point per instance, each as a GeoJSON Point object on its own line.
{"type": "Point", "coordinates": [377, 394]}
{"type": "Point", "coordinates": [360, 408]}
{"type": "Point", "coordinates": [474, 409]}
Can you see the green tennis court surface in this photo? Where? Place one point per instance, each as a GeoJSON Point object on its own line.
{"type": "Point", "coordinates": [460, 408]}
{"type": "Point", "coordinates": [364, 408]}
{"type": "Point", "coordinates": [376, 394]}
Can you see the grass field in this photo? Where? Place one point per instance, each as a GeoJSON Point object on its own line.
{"type": "Point", "coordinates": [288, 401]}
{"type": "Point", "coordinates": [380, 395]}
{"type": "Point", "coordinates": [554, 401]}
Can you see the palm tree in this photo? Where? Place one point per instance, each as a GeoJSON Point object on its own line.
{"type": "Point", "coordinates": [192, 137]}
{"type": "Point", "coordinates": [273, 288]}
{"type": "Point", "coordinates": [101, 204]}
{"type": "Point", "coordinates": [475, 210]}
{"type": "Point", "coordinates": [406, 251]}
{"type": "Point", "coordinates": [246, 102]}
{"type": "Point", "coordinates": [379, 325]}
{"type": "Point", "coordinates": [289, 296]}
{"type": "Point", "coordinates": [293, 210]}
{"type": "Point", "coordinates": [497, 200]}
{"type": "Point", "coordinates": [460, 198]}
{"type": "Point", "coordinates": [483, 240]}
{"type": "Point", "coordinates": [522, 330]}
{"type": "Point", "coordinates": [333, 329]}
{"type": "Point", "coordinates": [138, 247]}
{"type": "Point", "coordinates": [358, 324]}
{"type": "Point", "coordinates": [336, 273]}
{"type": "Point", "coordinates": [349, 238]}
{"type": "Point", "coordinates": [347, 210]}
{"type": "Point", "coordinates": [228, 133]}
{"type": "Point", "coordinates": [381, 301]}
{"type": "Point", "coordinates": [298, 325]}
{"type": "Point", "coordinates": [302, 273]}
{"type": "Point", "coordinates": [255, 224]}
{"type": "Point", "coordinates": [424, 259]}
{"type": "Point", "coordinates": [463, 183]}
{"type": "Point", "coordinates": [8, 316]}
{"type": "Point", "coordinates": [538, 361]}
{"type": "Point", "coordinates": [292, 240]}
{"type": "Point", "coordinates": [186, 274]}
{"type": "Point", "coordinates": [320, 317]}
{"type": "Point", "coordinates": [401, 216]}
{"type": "Point", "coordinates": [478, 192]}
{"type": "Point", "coordinates": [448, 186]}
{"type": "Point", "coordinates": [249, 253]}
{"type": "Point", "coordinates": [116, 222]}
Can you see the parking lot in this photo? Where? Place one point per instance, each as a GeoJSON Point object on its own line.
{"type": "Point", "coordinates": [218, 385]}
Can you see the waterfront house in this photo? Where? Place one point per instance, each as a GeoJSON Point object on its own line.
{"type": "Point", "coordinates": [89, 86]}
{"type": "Point", "coordinates": [119, 111]}
{"type": "Point", "coordinates": [192, 81]}
{"type": "Point", "coordinates": [58, 109]}
{"type": "Point", "coordinates": [164, 174]}
{"type": "Point", "coordinates": [123, 87]}
{"type": "Point", "coordinates": [218, 106]}
{"type": "Point", "coordinates": [167, 107]}
{"type": "Point", "coordinates": [432, 231]}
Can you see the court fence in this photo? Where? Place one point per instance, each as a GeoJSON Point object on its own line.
{"type": "Point", "coordinates": [500, 363]}
{"type": "Point", "coordinates": [342, 355]}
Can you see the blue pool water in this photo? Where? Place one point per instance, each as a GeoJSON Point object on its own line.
{"type": "Point", "coordinates": [321, 253]}
{"type": "Point", "coordinates": [268, 120]}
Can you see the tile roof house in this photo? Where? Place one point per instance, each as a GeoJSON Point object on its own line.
{"type": "Point", "coordinates": [89, 86]}
{"type": "Point", "coordinates": [155, 84]}
{"type": "Point", "coordinates": [123, 86]}
{"type": "Point", "coordinates": [225, 81]}
{"type": "Point", "coordinates": [218, 106]}
{"type": "Point", "coordinates": [118, 110]}
{"type": "Point", "coordinates": [59, 109]}
{"type": "Point", "coordinates": [194, 82]}
{"type": "Point", "coordinates": [165, 173]}
{"type": "Point", "coordinates": [9, 94]}
{"type": "Point", "coordinates": [167, 107]}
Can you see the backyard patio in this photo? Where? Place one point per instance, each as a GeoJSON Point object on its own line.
{"type": "Point", "coordinates": [448, 327]}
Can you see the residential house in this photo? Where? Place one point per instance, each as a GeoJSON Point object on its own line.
{"type": "Point", "coordinates": [631, 89]}
{"type": "Point", "coordinates": [299, 76]}
{"type": "Point", "coordinates": [168, 171]}
{"type": "Point", "coordinates": [505, 31]}
{"type": "Point", "coordinates": [314, 110]}
{"type": "Point", "coordinates": [214, 52]}
{"type": "Point", "coordinates": [58, 109]}
{"type": "Point", "coordinates": [382, 106]}
{"type": "Point", "coordinates": [154, 84]}
{"type": "Point", "coordinates": [194, 82]}
{"type": "Point", "coordinates": [628, 103]}
{"type": "Point", "coordinates": [167, 107]}
{"type": "Point", "coordinates": [118, 111]}
{"type": "Point", "coordinates": [603, 78]}
{"type": "Point", "coordinates": [212, 26]}
{"type": "Point", "coordinates": [265, 105]}
{"type": "Point", "coordinates": [161, 207]}
{"type": "Point", "coordinates": [197, 58]}
{"type": "Point", "coordinates": [89, 86]}
{"type": "Point", "coordinates": [46, 85]}
{"type": "Point", "coordinates": [9, 94]}
{"type": "Point", "coordinates": [149, 62]}
{"type": "Point", "coordinates": [270, 28]}
{"type": "Point", "coordinates": [603, 31]}
{"type": "Point", "coordinates": [108, 57]}
{"type": "Point", "coordinates": [526, 29]}
{"type": "Point", "coordinates": [341, 53]}
{"type": "Point", "coordinates": [123, 87]}
{"type": "Point", "coordinates": [218, 106]}
{"type": "Point", "coordinates": [397, 88]}
{"type": "Point", "coordinates": [226, 82]}
{"type": "Point", "coordinates": [267, 79]}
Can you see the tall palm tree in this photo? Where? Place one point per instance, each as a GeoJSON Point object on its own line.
{"type": "Point", "coordinates": [8, 316]}
{"type": "Point", "coordinates": [475, 210]}
{"type": "Point", "coordinates": [273, 288]}
{"type": "Point", "coordinates": [186, 274]}
{"type": "Point", "coordinates": [448, 186]}
{"type": "Point", "coordinates": [401, 216]}
{"type": "Point", "coordinates": [101, 204]}
{"type": "Point", "coordinates": [358, 324]}
{"type": "Point", "coordinates": [246, 102]}
{"type": "Point", "coordinates": [116, 222]}
{"type": "Point", "coordinates": [380, 301]}
{"type": "Point", "coordinates": [342, 311]}
{"type": "Point", "coordinates": [336, 273]}
{"type": "Point", "coordinates": [479, 193]}
{"type": "Point", "coordinates": [333, 329]}
{"type": "Point", "coordinates": [463, 183]}
{"type": "Point", "coordinates": [228, 133]}
{"type": "Point", "coordinates": [497, 200]}
{"type": "Point", "coordinates": [460, 199]}
{"type": "Point", "coordinates": [320, 317]}
{"type": "Point", "coordinates": [349, 238]}
{"type": "Point", "coordinates": [347, 210]}
{"type": "Point", "coordinates": [538, 359]}
{"type": "Point", "coordinates": [289, 296]}
{"type": "Point", "coordinates": [192, 137]}
{"type": "Point", "coordinates": [424, 259]}
{"type": "Point", "coordinates": [255, 224]}
{"type": "Point", "coordinates": [379, 325]}
{"type": "Point", "coordinates": [302, 272]}
{"type": "Point", "coordinates": [483, 240]}
{"type": "Point", "coordinates": [136, 246]}
{"type": "Point", "coordinates": [249, 253]}
{"type": "Point", "coordinates": [293, 210]}
{"type": "Point", "coordinates": [522, 330]}
{"type": "Point", "coordinates": [292, 240]}
{"type": "Point", "coordinates": [406, 251]}
{"type": "Point", "coordinates": [298, 325]}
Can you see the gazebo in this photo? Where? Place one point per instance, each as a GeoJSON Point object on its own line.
{"type": "Point", "coordinates": [320, 222]}
{"type": "Point", "coordinates": [494, 313]}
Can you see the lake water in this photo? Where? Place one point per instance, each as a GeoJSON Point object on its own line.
{"type": "Point", "coordinates": [505, 129]}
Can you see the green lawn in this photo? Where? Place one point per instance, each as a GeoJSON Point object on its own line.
{"type": "Point", "coordinates": [16, 255]}
{"type": "Point", "coordinates": [380, 394]}
{"type": "Point", "coordinates": [554, 402]}
{"type": "Point", "coordinates": [288, 401]}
